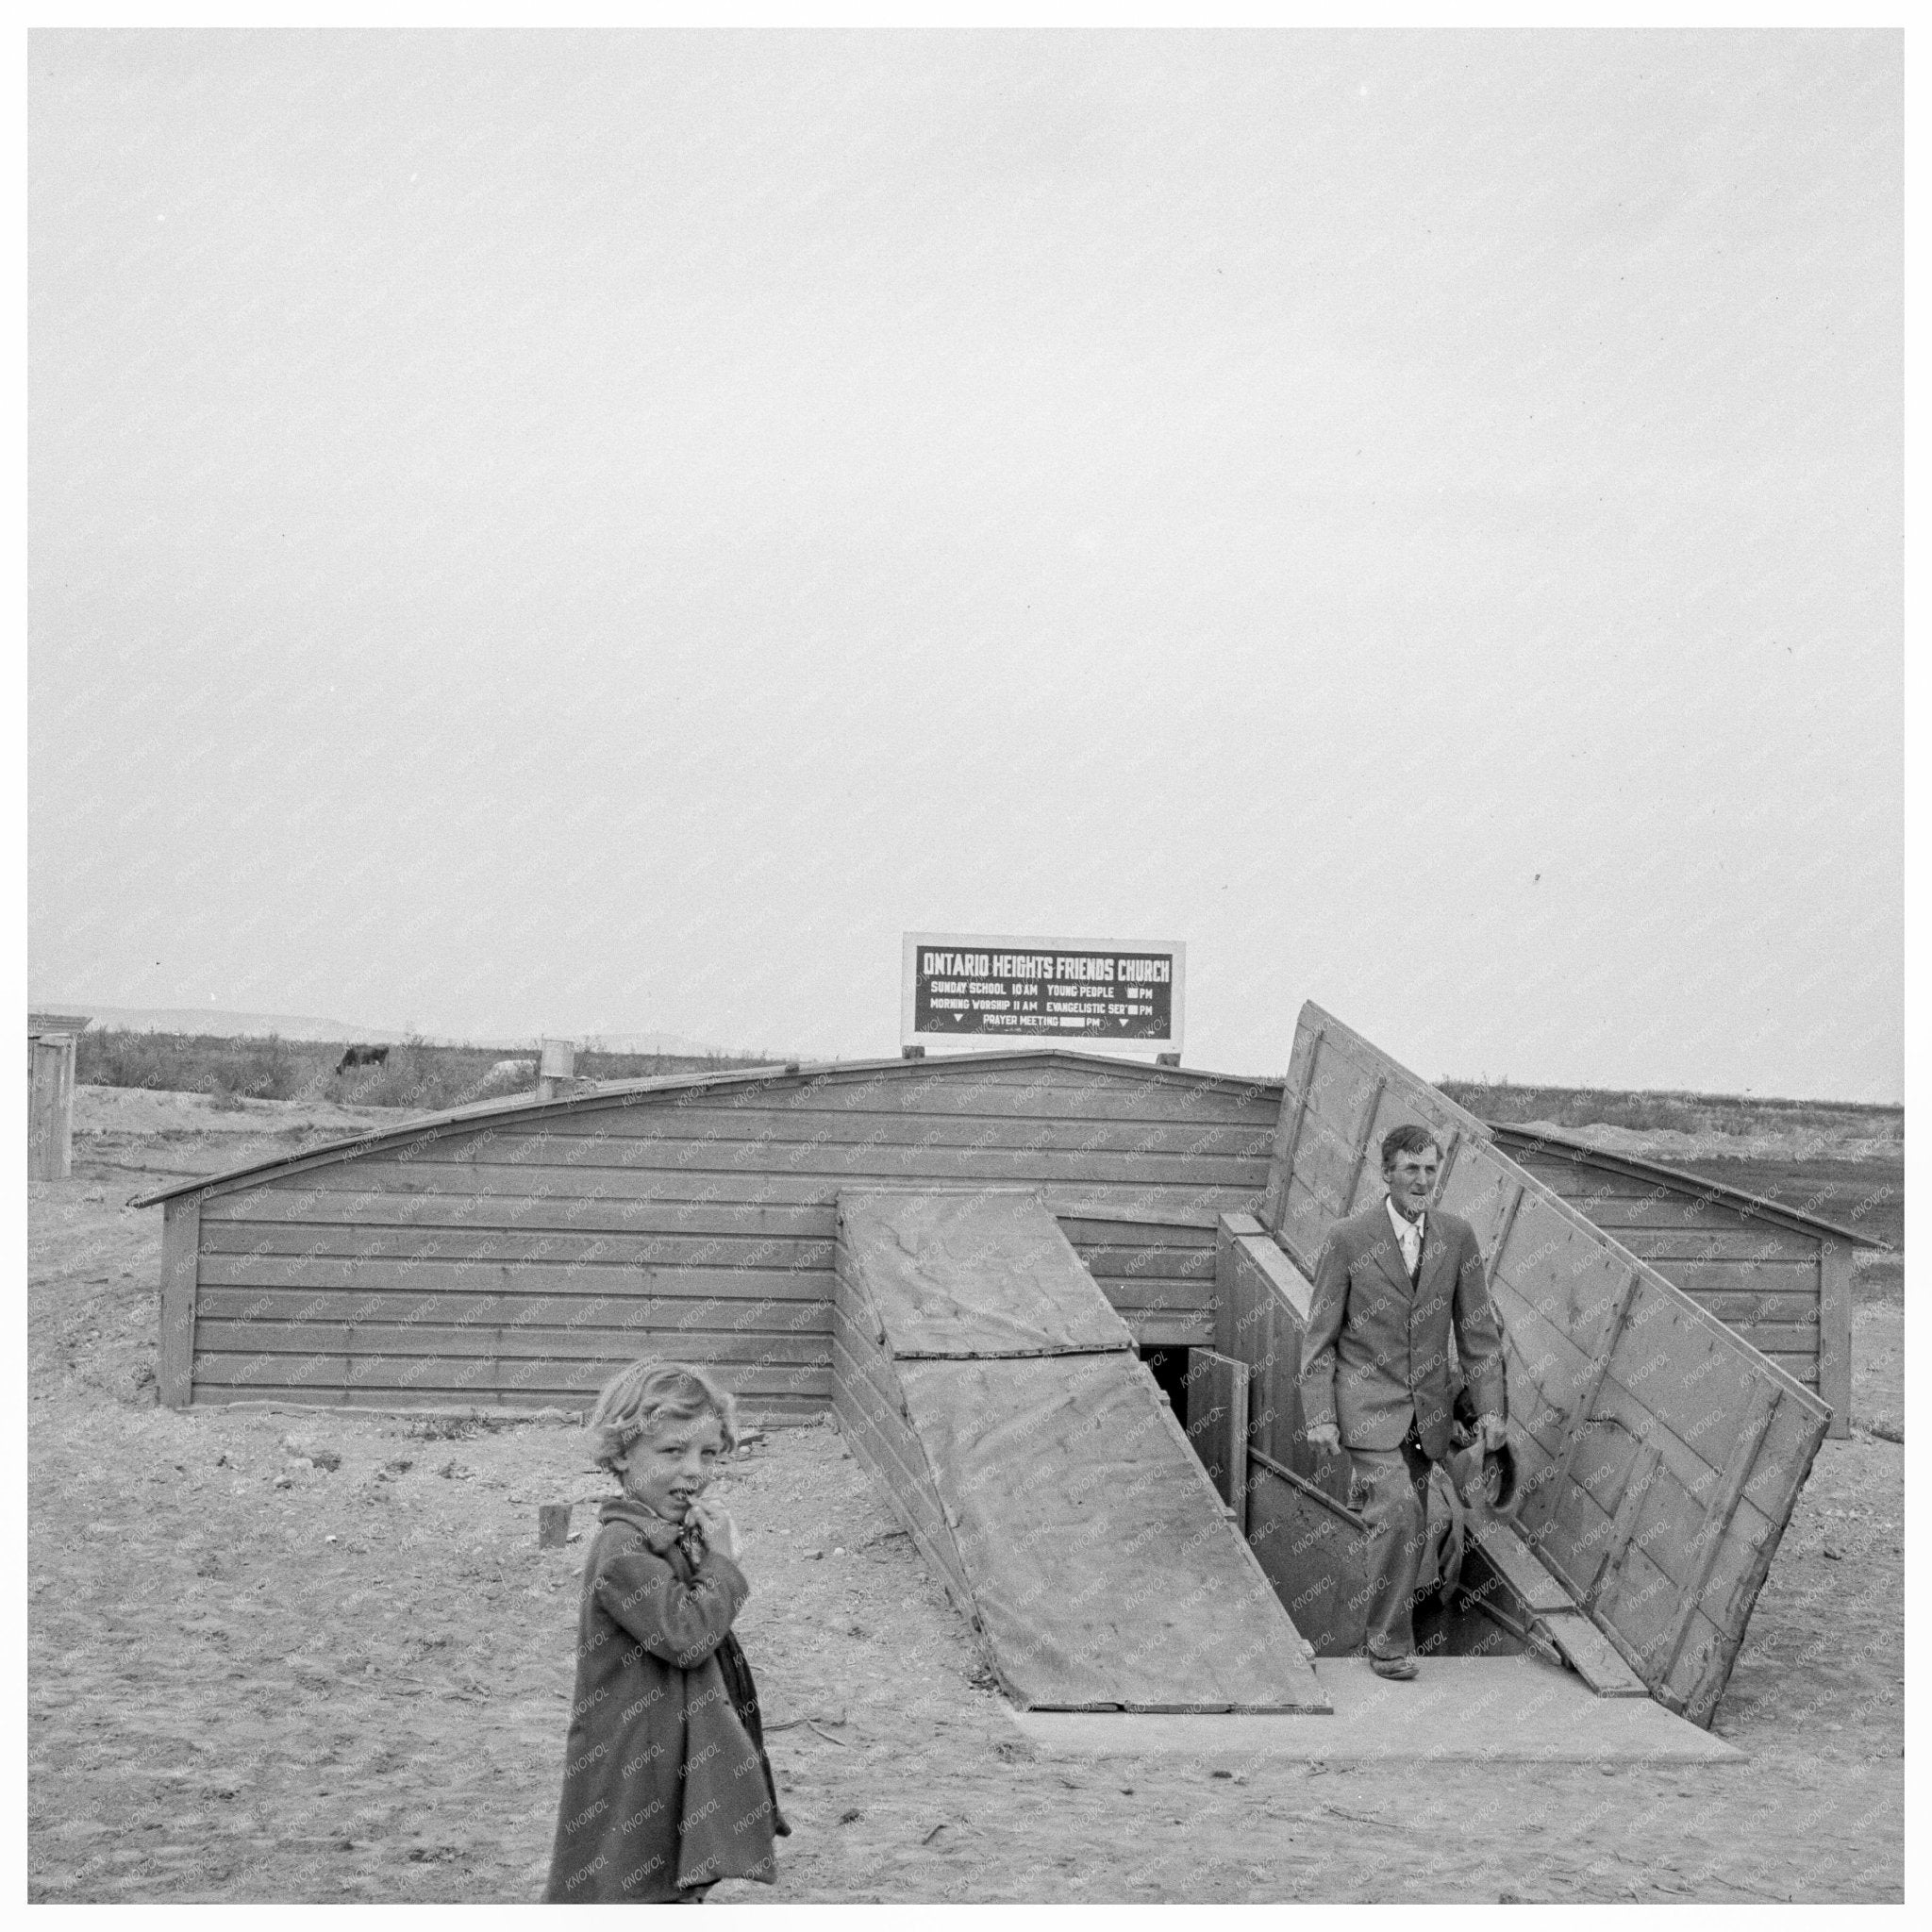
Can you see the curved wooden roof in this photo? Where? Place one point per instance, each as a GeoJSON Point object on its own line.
{"type": "Point", "coordinates": [616, 1094]}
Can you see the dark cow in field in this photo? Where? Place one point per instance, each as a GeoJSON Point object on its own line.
{"type": "Point", "coordinates": [363, 1057]}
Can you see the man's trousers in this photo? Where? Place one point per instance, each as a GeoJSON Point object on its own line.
{"type": "Point", "coordinates": [1390, 1488]}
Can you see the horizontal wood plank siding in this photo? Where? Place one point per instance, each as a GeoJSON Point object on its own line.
{"type": "Point", "coordinates": [454, 1340]}
{"type": "Point", "coordinates": [753, 1408]}
{"type": "Point", "coordinates": [521, 1381]}
{"type": "Point", "coordinates": [520, 1263]}
{"type": "Point", "coordinates": [540, 1194]}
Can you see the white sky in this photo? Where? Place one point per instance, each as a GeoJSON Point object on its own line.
{"type": "Point", "coordinates": [603, 533]}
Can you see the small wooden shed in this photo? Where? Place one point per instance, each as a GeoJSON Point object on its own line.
{"type": "Point", "coordinates": [51, 1040]}
{"type": "Point", "coordinates": [1780, 1278]}
{"type": "Point", "coordinates": [515, 1253]}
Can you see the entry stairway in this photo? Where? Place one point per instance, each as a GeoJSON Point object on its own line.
{"type": "Point", "coordinates": [979, 1373]}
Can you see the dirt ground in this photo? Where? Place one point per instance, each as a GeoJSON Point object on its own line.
{"type": "Point", "coordinates": [255, 1677]}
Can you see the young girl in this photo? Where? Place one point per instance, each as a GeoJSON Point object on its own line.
{"type": "Point", "coordinates": [666, 1787]}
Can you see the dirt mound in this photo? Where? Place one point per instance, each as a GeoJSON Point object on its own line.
{"type": "Point", "coordinates": [148, 1111]}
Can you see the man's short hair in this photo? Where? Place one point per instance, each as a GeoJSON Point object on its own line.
{"type": "Point", "coordinates": [1406, 1138]}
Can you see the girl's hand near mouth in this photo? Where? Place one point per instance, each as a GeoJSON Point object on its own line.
{"type": "Point", "coordinates": [717, 1527]}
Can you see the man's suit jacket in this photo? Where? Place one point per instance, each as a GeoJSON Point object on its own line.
{"type": "Point", "coordinates": [1376, 1352]}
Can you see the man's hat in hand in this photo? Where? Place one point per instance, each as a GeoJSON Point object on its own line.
{"type": "Point", "coordinates": [1501, 1489]}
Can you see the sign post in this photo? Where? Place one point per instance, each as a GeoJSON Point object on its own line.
{"type": "Point", "coordinates": [980, 990]}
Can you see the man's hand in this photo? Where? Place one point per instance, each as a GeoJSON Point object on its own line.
{"type": "Point", "coordinates": [717, 1527]}
{"type": "Point", "coordinates": [1325, 1439]}
{"type": "Point", "coordinates": [1491, 1431]}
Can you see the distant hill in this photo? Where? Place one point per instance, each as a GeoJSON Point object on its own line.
{"type": "Point", "coordinates": [219, 1023]}
{"type": "Point", "coordinates": [216, 1021]}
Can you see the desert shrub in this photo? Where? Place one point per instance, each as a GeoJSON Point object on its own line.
{"type": "Point", "coordinates": [421, 1078]}
{"type": "Point", "coordinates": [653, 1066]}
{"type": "Point", "coordinates": [441, 1428]}
{"type": "Point", "coordinates": [108, 1057]}
{"type": "Point", "coordinates": [264, 1070]}
{"type": "Point", "coordinates": [417, 1077]}
{"type": "Point", "coordinates": [458, 1425]}
{"type": "Point", "coordinates": [271, 1069]}
{"type": "Point", "coordinates": [426, 1080]}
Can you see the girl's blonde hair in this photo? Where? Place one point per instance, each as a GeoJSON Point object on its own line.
{"type": "Point", "coordinates": [649, 1392]}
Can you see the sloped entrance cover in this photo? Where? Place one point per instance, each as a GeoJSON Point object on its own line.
{"type": "Point", "coordinates": [1660, 1453]}
{"type": "Point", "coordinates": [980, 1373]}
{"type": "Point", "coordinates": [966, 1275]}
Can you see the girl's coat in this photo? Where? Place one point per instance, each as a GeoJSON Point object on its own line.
{"type": "Point", "coordinates": [665, 1782]}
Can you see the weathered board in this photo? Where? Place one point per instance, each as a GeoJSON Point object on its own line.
{"type": "Point", "coordinates": [1053, 1494]}
{"type": "Point", "coordinates": [692, 1217]}
{"type": "Point", "coordinates": [1218, 1426]}
{"type": "Point", "coordinates": [1541, 1604]}
{"type": "Point", "coordinates": [1661, 1454]}
{"type": "Point", "coordinates": [976, 1275]}
{"type": "Point", "coordinates": [1314, 1551]}
{"type": "Point", "coordinates": [50, 1105]}
{"type": "Point", "coordinates": [180, 1256]}
{"type": "Point", "coordinates": [1261, 1310]}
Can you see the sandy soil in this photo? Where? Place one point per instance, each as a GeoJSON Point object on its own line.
{"type": "Point", "coordinates": [256, 1677]}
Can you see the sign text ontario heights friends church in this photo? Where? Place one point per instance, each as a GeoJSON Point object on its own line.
{"type": "Point", "coordinates": [1096, 991]}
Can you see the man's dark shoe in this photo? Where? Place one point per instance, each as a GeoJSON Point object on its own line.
{"type": "Point", "coordinates": [1400, 1668]}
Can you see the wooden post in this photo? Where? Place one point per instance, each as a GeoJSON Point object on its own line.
{"type": "Point", "coordinates": [1219, 1433]}
{"type": "Point", "coordinates": [558, 1065]}
{"type": "Point", "coordinates": [1835, 1333]}
{"type": "Point", "coordinates": [50, 1106]}
{"type": "Point", "coordinates": [180, 1269]}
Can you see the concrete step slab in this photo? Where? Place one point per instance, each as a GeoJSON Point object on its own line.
{"type": "Point", "coordinates": [1461, 1711]}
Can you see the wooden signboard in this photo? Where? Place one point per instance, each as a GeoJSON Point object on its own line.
{"type": "Point", "coordinates": [1660, 1453]}
{"type": "Point", "coordinates": [1099, 996]}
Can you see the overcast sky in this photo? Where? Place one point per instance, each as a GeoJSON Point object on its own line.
{"type": "Point", "coordinates": [603, 533]}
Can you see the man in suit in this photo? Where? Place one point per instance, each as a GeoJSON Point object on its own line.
{"type": "Point", "coordinates": [1389, 1287]}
